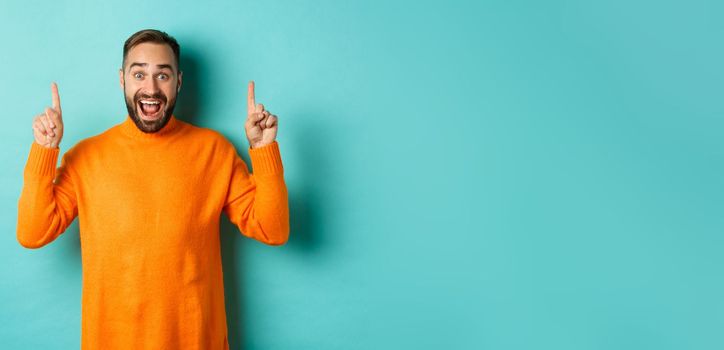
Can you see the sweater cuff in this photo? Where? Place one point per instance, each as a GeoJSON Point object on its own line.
{"type": "Point", "coordinates": [42, 160]}
{"type": "Point", "coordinates": [266, 160]}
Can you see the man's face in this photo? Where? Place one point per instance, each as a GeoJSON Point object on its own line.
{"type": "Point", "coordinates": [150, 81]}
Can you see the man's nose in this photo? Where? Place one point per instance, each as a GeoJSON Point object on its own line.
{"type": "Point", "coordinates": [150, 86]}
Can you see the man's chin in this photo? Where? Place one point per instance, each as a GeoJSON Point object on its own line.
{"type": "Point", "coordinates": [151, 120]}
{"type": "Point", "coordinates": [150, 125]}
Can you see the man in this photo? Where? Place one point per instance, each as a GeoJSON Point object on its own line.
{"type": "Point", "coordinates": [149, 193]}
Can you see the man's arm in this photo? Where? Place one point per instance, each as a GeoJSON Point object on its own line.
{"type": "Point", "coordinates": [258, 203]}
{"type": "Point", "coordinates": [47, 202]}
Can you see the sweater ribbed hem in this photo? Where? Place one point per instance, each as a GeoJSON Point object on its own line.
{"type": "Point", "coordinates": [42, 160]}
{"type": "Point", "coordinates": [266, 160]}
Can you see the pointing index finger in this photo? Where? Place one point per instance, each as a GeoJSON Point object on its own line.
{"type": "Point", "coordinates": [56, 96]}
{"type": "Point", "coordinates": [250, 104]}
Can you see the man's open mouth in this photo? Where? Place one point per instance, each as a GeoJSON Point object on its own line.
{"type": "Point", "coordinates": [150, 108]}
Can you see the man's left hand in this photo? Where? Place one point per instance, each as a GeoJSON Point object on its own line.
{"type": "Point", "coordinates": [261, 125]}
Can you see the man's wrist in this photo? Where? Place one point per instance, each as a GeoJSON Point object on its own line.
{"type": "Point", "coordinates": [259, 145]}
{"type": "Point", "coordinates": [48, 146]}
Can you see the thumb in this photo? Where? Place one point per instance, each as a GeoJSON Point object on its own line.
{"type": "Point", "coordinates": [54, 117]}
{"type": "Point", "coordinates": [254, 118]}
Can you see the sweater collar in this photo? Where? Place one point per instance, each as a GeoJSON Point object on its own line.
{"type": "Point", "coordinates": [129, 128]}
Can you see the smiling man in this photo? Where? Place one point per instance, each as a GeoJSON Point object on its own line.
{"type": "Point", "coordinates": [150, 108]}
{"type": "Point", "coordinates": [149, 193]}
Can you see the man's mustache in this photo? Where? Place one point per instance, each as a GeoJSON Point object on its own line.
{"type": "Point", "coordinates": [157, 96]}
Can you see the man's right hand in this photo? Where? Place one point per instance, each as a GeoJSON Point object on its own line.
{"type": "Point", "coordinates": [48, 126]}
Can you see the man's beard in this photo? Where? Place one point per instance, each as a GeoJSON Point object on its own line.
{"type": "Point", "coordinates": [149, 126]}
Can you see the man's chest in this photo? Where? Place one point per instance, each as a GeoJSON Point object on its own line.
{"type": "Point", "coordinates": [153, 188]}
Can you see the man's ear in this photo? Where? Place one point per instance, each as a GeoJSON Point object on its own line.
{"type": "Point", "coordinates": [180, 80]}
{"type": "Point", "coordinates": [120, 77]}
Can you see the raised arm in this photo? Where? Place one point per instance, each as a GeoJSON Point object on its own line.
{"type": "Point", "coordinates": [258, 204]}
{"type": "Point", "coordinates": [47, 203]}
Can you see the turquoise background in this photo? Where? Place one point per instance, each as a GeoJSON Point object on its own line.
{"type": "Point", "coordinates": [462, 175]}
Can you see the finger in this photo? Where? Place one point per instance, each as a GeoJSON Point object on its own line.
{"type": "Point", "coordinates": [41, 128]}
{"type": "Point", "coordinates": [39, 134]}
{"type": "Point", "coordinates": [36, 132]}
{"type": "Point", "coordinates": [262, 122]}
{"type": "Point", "coordinates": [38, 126]}
{"type": "Point", "coordinates": [49, 123]}
{"type": "Point", "coordinates": [259, 108]}
{"type": "Point", "coordinates": [56, 96]}
{"type": "Point", "coordinates": [253, 119]}
{"type": "Point", "coordinates": [271, 121]}
{"type": "Point", "coordinates": [250, 104]}
{"type": "Point", "coordinates": [44, 120]}
{"type": "Point", "coordinates": [48, 129]}
{"type": "Point", "coordinates": [52, 116]}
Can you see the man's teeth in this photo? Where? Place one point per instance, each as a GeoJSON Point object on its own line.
{"type": "Point", "coordinates": [150, 102]}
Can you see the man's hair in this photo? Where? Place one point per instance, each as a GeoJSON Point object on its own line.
{"type": "Point", "coordinates": [151, 36]}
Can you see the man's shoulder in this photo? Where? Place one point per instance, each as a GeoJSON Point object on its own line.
{"type": "Point", "coordinates": [206, 135]}
{"type": "Point", "coordinates": [93, 141]}
{"type": "Point", "coordinates": [86, 143]}
{"type": "Point", "coordinates": [200, 131]}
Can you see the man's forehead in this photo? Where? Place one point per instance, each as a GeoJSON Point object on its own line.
{"type": "Point", "coordinates": [151, 55]}
{"type": "Point", "coordinates": [150, 47]}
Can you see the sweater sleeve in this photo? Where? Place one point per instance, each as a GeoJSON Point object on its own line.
{"type": "Point", "coordinates": [258, 203]}
{"type": "Point", "coordinates": [47, 203]}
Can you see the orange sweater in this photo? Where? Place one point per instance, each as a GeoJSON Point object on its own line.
{"type": "Point", "coordinates": [149, 207]}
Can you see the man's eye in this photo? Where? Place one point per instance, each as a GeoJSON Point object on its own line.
{"type": "Point", "coordinates": [138, 75]}
{"type": "Point", "coordinates": [163, 76]}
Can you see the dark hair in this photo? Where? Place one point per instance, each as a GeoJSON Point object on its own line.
{"type": "Point", "coordinates": [152, 36]}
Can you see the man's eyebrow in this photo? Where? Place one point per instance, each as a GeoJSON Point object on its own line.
{"type": "Point", "coordinates": [143, 64]}
{"type": "Point", "coordinates": [162, 66]}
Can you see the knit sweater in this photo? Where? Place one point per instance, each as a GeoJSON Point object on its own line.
{"type": "Point", "coordinates": [149, 207]}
